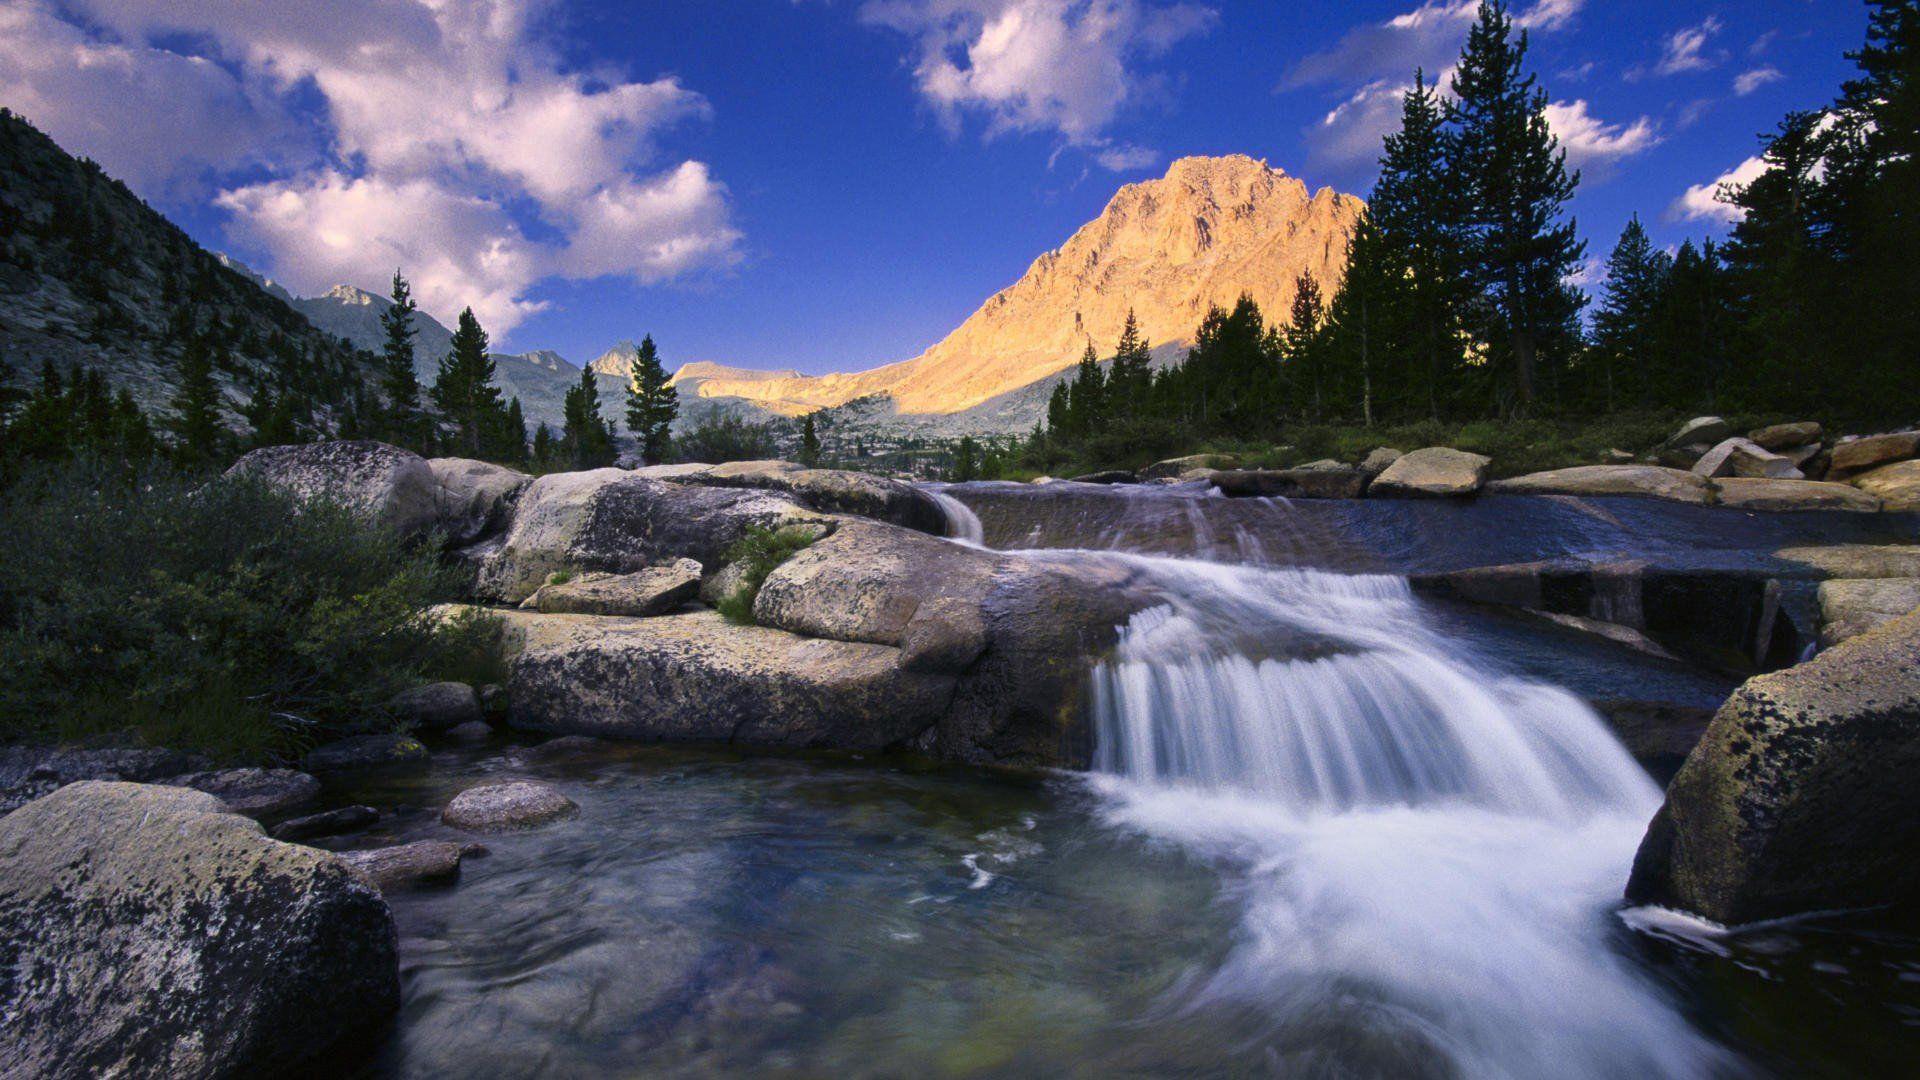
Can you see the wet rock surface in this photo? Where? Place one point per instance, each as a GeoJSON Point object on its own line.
{"type": "Point", "coordinates": [1341, 482]}
{"type": "Point", "coordinates": [514, 804]}
{"type": "Point", "coordinates": [327, 823]}
{"type": "Point", "coordinates": [1799, 796]}
{"type": "Point", "coordinates": [149, 932]}
{"type": "Point", "coordinates": [423, 862]}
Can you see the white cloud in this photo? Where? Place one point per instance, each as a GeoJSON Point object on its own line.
{"type": "Point", "coordinates": [1749, 81]}
{"type": "Point", "coordinates": [1591, 140]}
{"type": "Point", "coordinates": [1685, 49]}
{"type": "Point", "coordinates": [1069, 67]}
{"type": "Point", "coordinates": [1126, 157]}
{"type": "Point", "coordinates": [447, 138]}
{"type": "Point", "coordinates": [1702, 202]}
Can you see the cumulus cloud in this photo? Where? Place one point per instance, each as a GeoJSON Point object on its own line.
{"type": "Point", "coordinates": [1068, 67]}
{"type": "Point", "coordinates": [444, 138]}
{"type": "Point", "coordinates": [1590, 140]}
{"type": "Point", "coordinates": [1748, 81]}
{"type": "Point", "coordinates": [1703, 202]}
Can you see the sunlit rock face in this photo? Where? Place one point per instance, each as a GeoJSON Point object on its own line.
{"type": "Point", "coordinates": [1210, 230]}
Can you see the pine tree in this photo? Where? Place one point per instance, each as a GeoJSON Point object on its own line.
{"type": "Point", "coordinates": [1415, 293]}
{"type": "Point", "coordinates": [1087, 396]}
{"type": "Point", "coordinates": [1512, 176]}
{"type": "Point", "coordinates": [652, 403]}
{"type": "Point", "coordinates": [1301, 358]}
{"type": "Point", "coordinates": [1132, 374]}
{"type": "Point", "coordinates": [1059, 412]}
{"type": "Point", "coordinates": [405, 423]}
{"type": "Point", "coordinates": [585, 437]}
{"type": "Point", "coordinates": [546, 450]}
{"type": "Point", "coordinates": [1782, 269]}
{"type": "Point", "coordinates": [464, 393]}
{"type": "Point", "coordinates": [966, 461]}
{"type": "Point", "coordinates": [199, 436]}
{"type": "Point", "coordinates": [809, 442]}
{"type": "Point", "coordinates": [1624, 326]}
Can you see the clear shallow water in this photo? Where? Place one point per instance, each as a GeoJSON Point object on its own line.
{"type": "Point", "coordinates": [1334, 832]}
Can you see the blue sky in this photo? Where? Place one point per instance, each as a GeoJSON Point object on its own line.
{"type": "Point", "coordinates": [823, 184]}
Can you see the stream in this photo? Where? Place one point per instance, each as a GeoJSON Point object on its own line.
{"type": "Point", "coordinates": [1396, 851]}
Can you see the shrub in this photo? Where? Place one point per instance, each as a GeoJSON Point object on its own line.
{"type": "Point", "coordinates": [725, 438]}
{"type": "Point", "coordinates": [757, 554]}
{"type": "Point", "coordinates": [217, 615]}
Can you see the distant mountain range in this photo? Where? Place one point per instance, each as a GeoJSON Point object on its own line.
{"type": "Point", "coordinates": [1210, 230]}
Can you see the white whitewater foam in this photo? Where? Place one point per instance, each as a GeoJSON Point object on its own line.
{"type": "Point", "coordinates": [963, 525]}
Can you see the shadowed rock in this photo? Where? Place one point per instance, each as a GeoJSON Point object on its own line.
{"type": "Point", "coordinates": [254, 792]}
{"type": "Point", "coordinates": [424, 862]}
{"type": "Point", "coordinates": [367, 752]}
{"type": "Point", "coordinates": [150, 933]}
{"type": "Point", "coordinates": [1343, 482]}
{"type": "Point", "coordinates": [436, 706]}
{"type": "Point", "coordinates": [389, 485]}
{"type": "Point", "coordinates": [331, 823]}
{"type": "Point", "coordinates": [476, 498]}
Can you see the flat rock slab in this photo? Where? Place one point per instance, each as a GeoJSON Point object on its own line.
{"type": "Point", "coordinates": [1897, 486]}
{"type": "Point", "coordinates": [1858, 560]}
{"type": "Point", "coordinates": [1745, 493]}
{"type": "Point", "coordinates": [424, 862]}
{"type": "Point", "coordinates": [514, 804]}
{"type": "Point", "coordinates": [1435, 472]}
{"type": "Point", "coordinates": [1743, 457]}
{"type": "Point", "coordinates": [436, 706]}
{"type": "Point", "coordinates": [1849, 608]}
{"type": "Point", "coordinates": [148, 932]}
{"type": "Point", "coordinates": [653, 591]}
{"type": "Point", "coordinates": [1646, 481]}
{"type": "Point", "coordinates": [1781, 437]}
{"type": "Point", "coordinates": [367, 752]}
{"type": "Point", "coordinates": [1860, 455]}
{"type": "Point", "coordinates": [331, 823]}
{"type": "Point", "coordinates": [255, 792]}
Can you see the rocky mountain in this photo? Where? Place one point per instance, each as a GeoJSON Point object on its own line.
{"type": "Point", "coordinates": [1211, 229]}
{"type": "Point", "coordinates": [92, 276]}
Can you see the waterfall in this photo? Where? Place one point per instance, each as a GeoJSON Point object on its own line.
{"type": "Point", "coordinates": [1426, 855]}
{"type": "Point", "coordinates": [962, 523]}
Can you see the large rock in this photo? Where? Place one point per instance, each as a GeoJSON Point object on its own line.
{"type": "Point", "coordinates": [835, 491]}
{"type": "Point", "coordinates": [611, 520]}
{"type": "Point", "coordinates": [1648, 481]}
{"type": "Point", "coordinates": [1379, 459]}
{"type": "Point", "coordinates": [508, 805]}
{"type": "Point", "coordinates": [653, 591]}
{"type": "Point", "coordinates": [1783, 437]}
{"type": "Point", "coordinates": [28, 772]}
{"type": "Point", "coordinates": [147, 932]}
{"type": "Point", "coordinates": [1897, 486]}
{"type": "Point", "coordinates": [1746, 493]}
{"type": "Point", "coordinates": [696, 678]}
{"type": "Point", "coordinates": [1174, 468]}
{"type": "Point", "coordinates": [1800, 797]}
{"type": "Point", "coordinates": [1858, 560]}
{"type": "Point", "coordinates": [255, 792]}
{"type": "Point", "coordinates": [1702, 430]}
{"type": "Point", "coordinates": [1435, 472]}
{"type": "Point", "coordinates": [886, 585]}
{"type": "Point", "coordinates": [1743, 457]}
{"type": "Point", "coordinates": [1342, 482]}
{"type": "Point", "coordinates": [476, 497]}
{"type": "Point", "coordinates": [436, 706]}
{"type": "Point", "coordinates": [1851, 607]}
{"type": "Point", "coordinates": [389, 485]}
{"type": "Point", "coordinates": [1859, 455]}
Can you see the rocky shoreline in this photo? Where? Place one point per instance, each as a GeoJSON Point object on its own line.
{"type": "Point", "coordinates": [874, 633]}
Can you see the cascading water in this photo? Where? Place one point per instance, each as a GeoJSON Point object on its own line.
{"type": "Point", "coordinates": [1427, 856]}
{"type": "Point", "coordinates": [963, 524]}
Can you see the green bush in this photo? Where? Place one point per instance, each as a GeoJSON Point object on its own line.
{"type": "Point", "coordinates": [758, 553]}
{"type": "Point", "coordinates": [219, 615]}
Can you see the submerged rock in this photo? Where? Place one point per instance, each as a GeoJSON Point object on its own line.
{"type": "Point", "coordinates": [367, 752]}
{"type": "Point", "coordinates": [1433, 472]}
{"type": "Point", "coordinates": [1647, 481]}
{"type": "Point", "coordinates": [653, 591]}
{"type": "Point", "coordinates": [513, 804]}
{"type": "Point", "coordinates": [389, 485]}
{"type": "Point", "coordinates": [423, 862]}
{"type": "Point", "coordinates": [1800, 797]}
{"type": "Point", "coordinates": [254, 792]}
{"type": "Point", "coordinates": [436, 706]}
{"type": "Point", "coordinates": [149, 932]}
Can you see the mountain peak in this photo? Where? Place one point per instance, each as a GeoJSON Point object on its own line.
{"type": "Point", "coordinates": [353, 294]}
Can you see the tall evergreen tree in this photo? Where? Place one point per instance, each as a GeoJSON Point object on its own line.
{"type": "Point", "coordinates": [199, 436]}
{"type": "Point", "coordinates": [1087, 395]}
{"type": "Point", "coordinates": [1132, 374]}
{"type": "Point", "coordinates": [809, 442]}
{"type": "Point", "coordinates": [1515, 186]}
{"type": "Point", "coordinates": [585, 437]}
{"type": "Point", "coordinates": [1301, 358]}
{"type": "Point", "coordinates": [652, 404]}
{"type": "Point", "coordinates": [507, 438]}
{"type": "Point", "coordinates": [1417, 293]}
{"type": "Point", "coordinates": [405, 422]}
{"type": "Point", "coordinates": [464, 392]}
{"type": "Point", "coordinates": [1624, 328]}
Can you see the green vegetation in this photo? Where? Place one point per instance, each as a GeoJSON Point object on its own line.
{"type": "Point", "coordinates": [652, 404]}
{"type": "Point", "coordinates": [219, 616]}
{"type": "Point", "coordinates": [480, 424]}
{"type": "Point", "coordinates": [1456, 315]}
{"type": "Point", "coordinates": [758, 554]}
{"type": "Point", "coordinates": [726, 437]}
{"type": "Point", "coordinates": [586, 438]}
